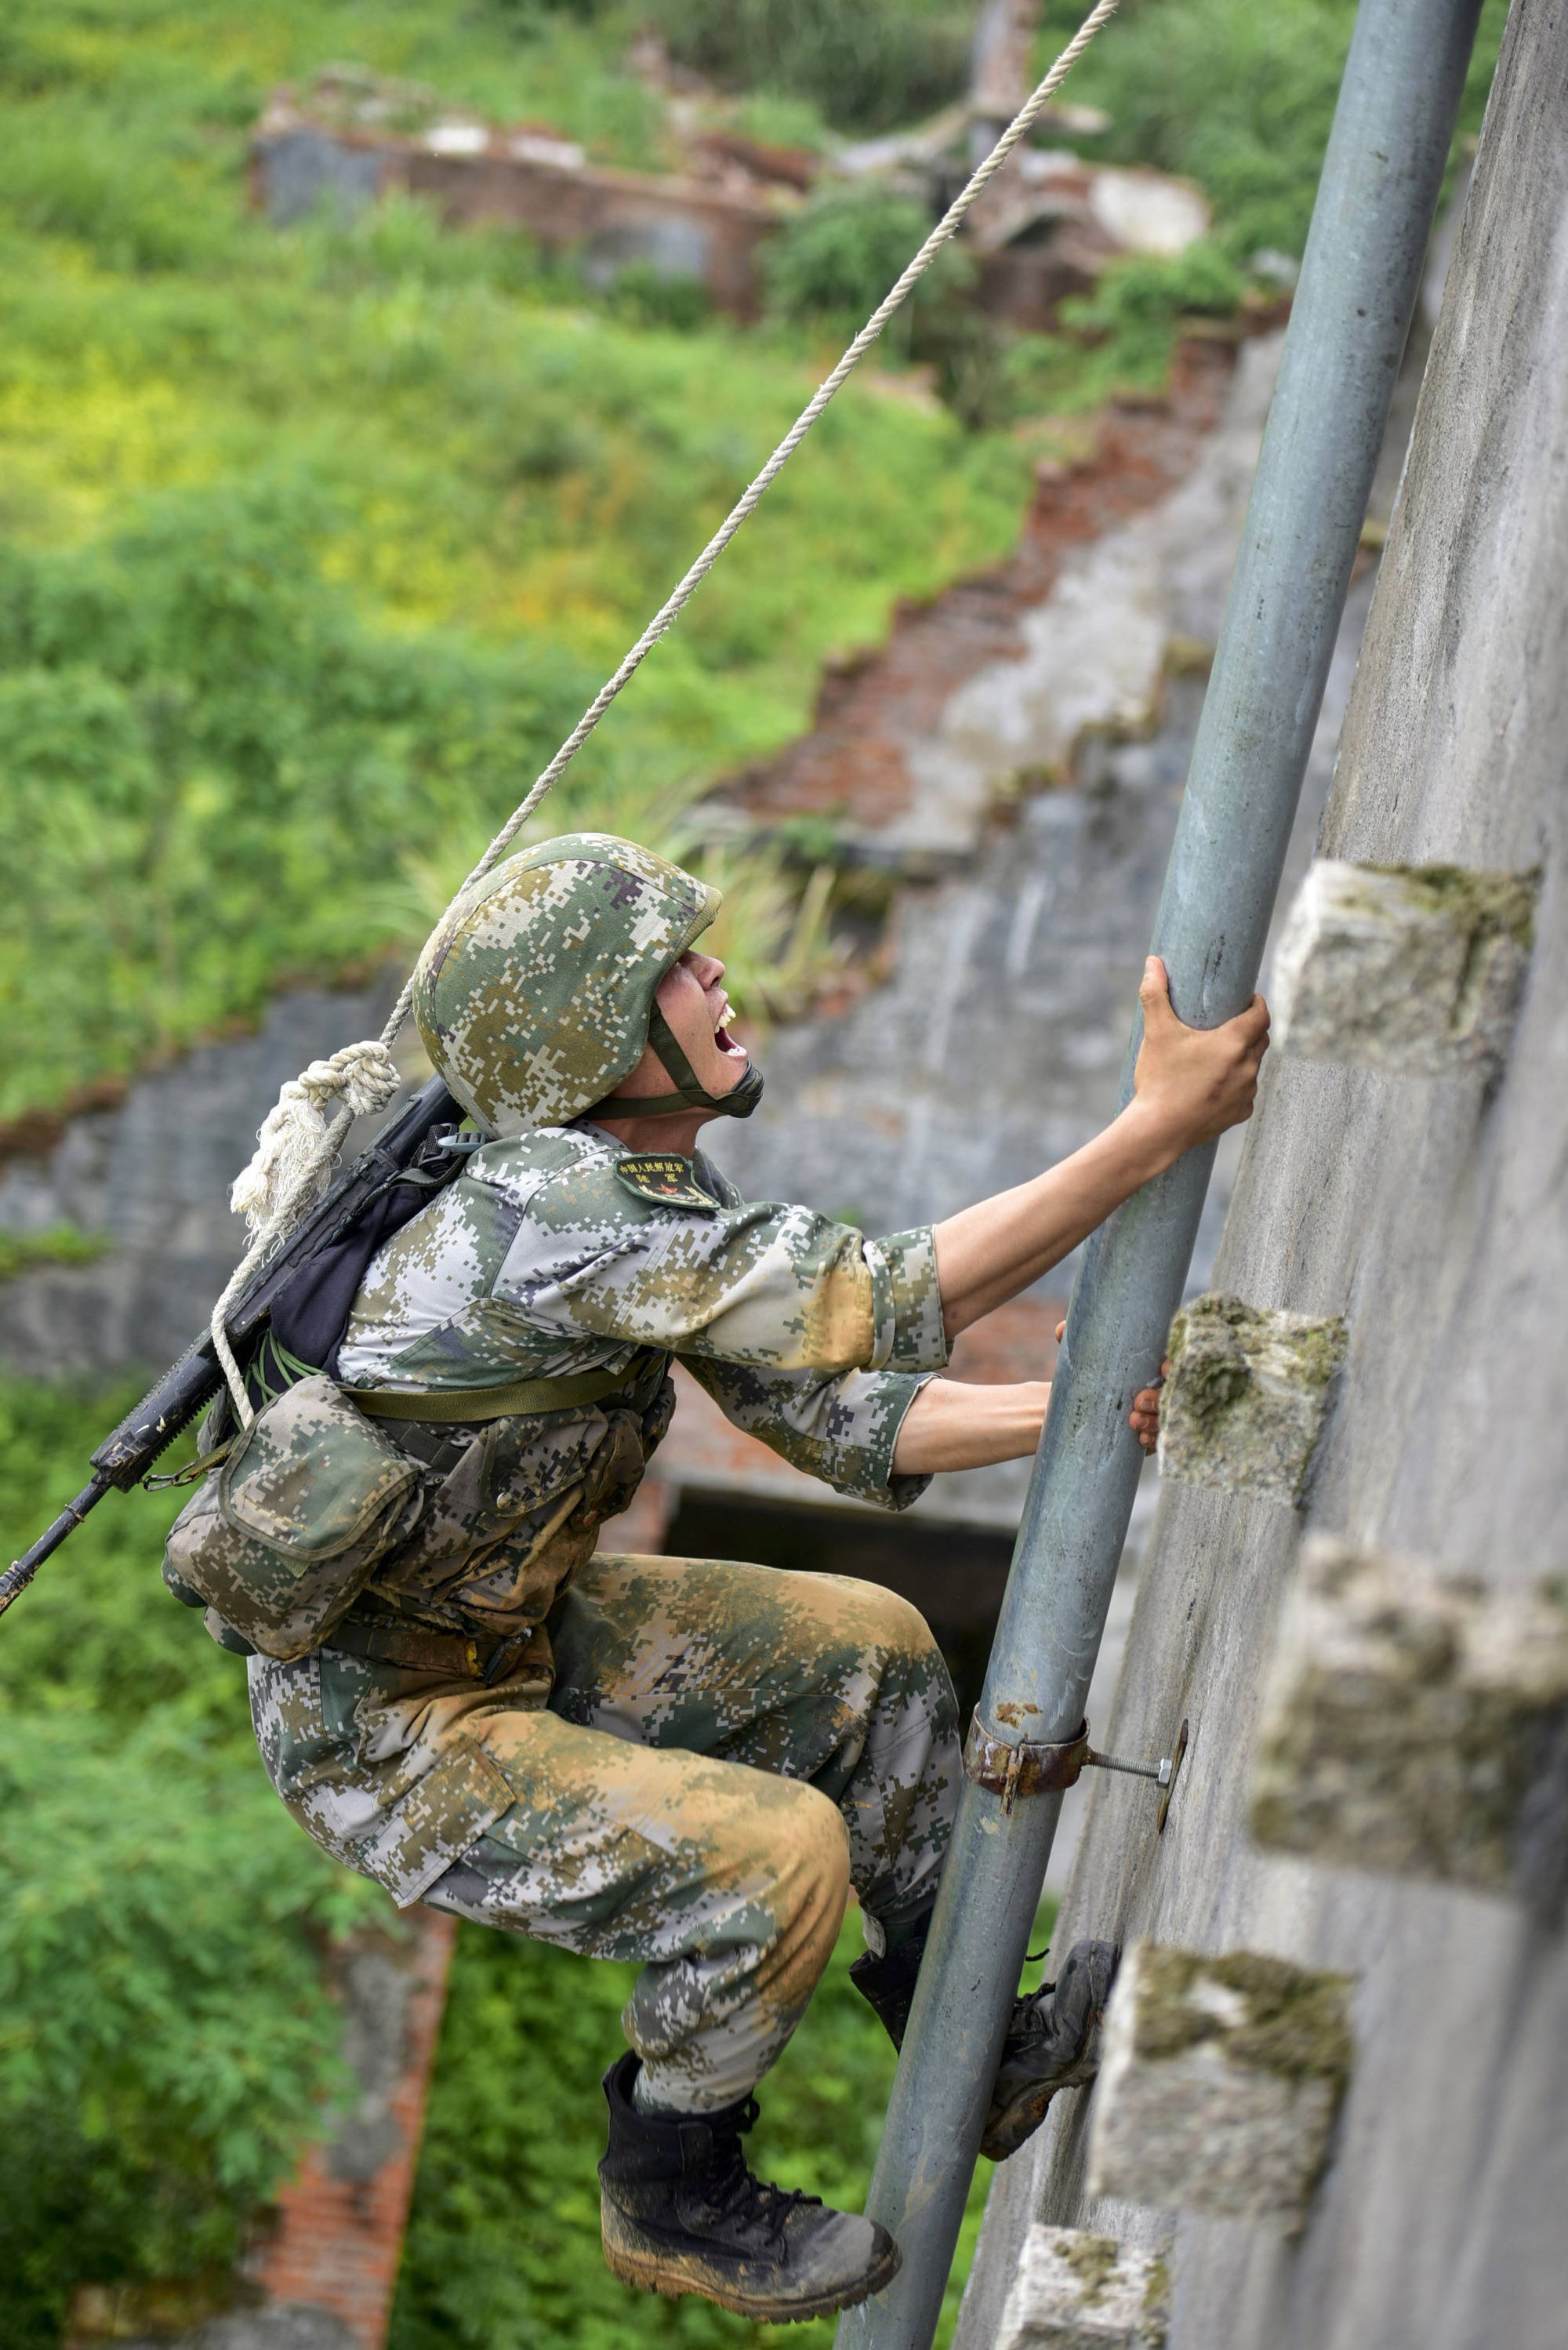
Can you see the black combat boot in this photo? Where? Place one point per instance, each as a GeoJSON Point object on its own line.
{"type": "Point", "coordinates": [1053, 2038]}
{"type": "Point", "coordinates": [681, 2213]}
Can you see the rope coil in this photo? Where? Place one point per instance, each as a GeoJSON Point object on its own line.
{"type": "Point", "coordinates": [296, 1144]}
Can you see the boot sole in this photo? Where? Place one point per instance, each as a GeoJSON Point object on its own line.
{"type": "Point", "coordinates": [1007, 2131]}
{"type": "Point", "coordinates": [667, 2273]}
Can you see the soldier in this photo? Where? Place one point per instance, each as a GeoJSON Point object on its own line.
{"type": "Point", "coordinates": [683, 1761]}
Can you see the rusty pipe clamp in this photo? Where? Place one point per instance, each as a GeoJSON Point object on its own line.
{"type": "Point", "coordinates": [1031, 1767]}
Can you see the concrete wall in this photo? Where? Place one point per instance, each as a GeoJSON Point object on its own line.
{"type": "Point", "coordinates": [1432, 1216]}
{"type": "Point", "coordinates": [152, 1174]}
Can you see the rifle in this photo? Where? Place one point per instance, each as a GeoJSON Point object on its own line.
{"type": "Point", "coordinates": [126, 1455]}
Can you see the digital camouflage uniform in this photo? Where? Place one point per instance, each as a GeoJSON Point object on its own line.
{"type": "Point", "coordinates": [687, 1762]}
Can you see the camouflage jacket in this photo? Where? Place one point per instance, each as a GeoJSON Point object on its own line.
{"type": "Point", "coordinates": [561, 1252]}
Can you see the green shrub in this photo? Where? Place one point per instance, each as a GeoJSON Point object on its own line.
{"type": "Point", "coordinates": [503, 2249]}
{"type": "Point", "coordinates": [836, 258]}
{"type": "Point", "coordinates": [1133, 314]}
{"type": "Point", "coordinates": [867, 64]}
{"type": "Point", "coordinates": [166, 2035]}
{"type": "Point", "coordinates": [644, 296]}
{"type": "Point", "coordinates": [1236, 97]}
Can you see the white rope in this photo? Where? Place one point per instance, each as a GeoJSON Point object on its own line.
{"type": "Point", "coordinates": [296, 1144]}
{"type": "Point", "coordinates": [364, 1077]}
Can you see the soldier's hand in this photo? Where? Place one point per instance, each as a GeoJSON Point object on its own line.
{"type": "Point", "coordinates": [1144, 1417]}
{"type": "Point", "coordinates": [1193, 1083]}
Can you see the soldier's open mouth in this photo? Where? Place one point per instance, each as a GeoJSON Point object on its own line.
{"type": "Point", "coordinates": [726, 1043]}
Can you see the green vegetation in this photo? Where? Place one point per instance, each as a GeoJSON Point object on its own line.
{"type": "Point", "coordinates": [1236, 97]}
{"type": "Point", "coordinates": [312, 545]}
{"type": "Point", "coordinates": [867, 64]}
{"type": "Point", "coordinates": [60, 1244]}
{"type": "Point", "coordinates": [168, 2036]}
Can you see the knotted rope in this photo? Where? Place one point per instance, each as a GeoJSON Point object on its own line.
{"type": "Point", "coordinates": [296, 1144]}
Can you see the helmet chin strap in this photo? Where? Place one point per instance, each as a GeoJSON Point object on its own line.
{"type": "Point", "coordinates": [689, 1094]}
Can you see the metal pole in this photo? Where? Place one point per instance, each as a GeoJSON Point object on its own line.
{"type": "Point", "coordinates": [1392, 127]}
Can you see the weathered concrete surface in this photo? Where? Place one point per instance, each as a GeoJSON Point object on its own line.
{"type": "Point", "coordinates": [1220, 2083]}
{"type": "Point", "coordinates": [996, 1043]}
{"type": "Point", "coordinates": [153, 1174]}
{"type": "Point", "coordinates": [1244, 1406]}
{"type": "Point", "coordinates": [1093, 652]}
{"type": "Point", "coordinates": [1077, 2291]}
{"type": "Point", "coordinates": [1416, 1723]}
{"type": "Point", "coordinates": [1434, 1219]}
{"type": "Point", "coordinates": [1417, 972]}
{"type": "Point", "coordinates": [878, 757]}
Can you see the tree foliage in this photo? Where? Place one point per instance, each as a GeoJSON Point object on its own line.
{"type": "Point", "coordinates": [1236, 97]}
{"type": "Point", "coordinates": [168, 2042]}
{"type": "Point", "coordinates": [503, 2245]}
{"type": "Point", "coordinates": [867, 64]}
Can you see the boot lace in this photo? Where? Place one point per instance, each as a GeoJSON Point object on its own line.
{"type": "Point", "coordinates": [737, 2197]}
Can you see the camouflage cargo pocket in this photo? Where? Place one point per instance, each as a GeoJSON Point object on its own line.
{"type": "Point", "coordinates": [285, 1536]}
{"type": "Point", "coordinates": [433, 1825]}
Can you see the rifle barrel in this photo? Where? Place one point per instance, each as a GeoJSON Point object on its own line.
{"type": "Point", "coordinates": [21, 1571]}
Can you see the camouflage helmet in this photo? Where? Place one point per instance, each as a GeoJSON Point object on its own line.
{"type": "Point", "coordinates": [534, 996]}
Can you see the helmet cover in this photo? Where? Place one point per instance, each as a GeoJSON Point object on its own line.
{"type": "Point", "coordinates": [533, 993]}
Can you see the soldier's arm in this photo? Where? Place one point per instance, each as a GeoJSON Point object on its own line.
{"type": "Point", "coordinates": [845, 1428]}
{"type": "Point", "coordinates": [1190, 1084]}
{"type": "Point", "coordinates": [954, 1425]}
{"type": "Point", "coordinates": [766, 1284]}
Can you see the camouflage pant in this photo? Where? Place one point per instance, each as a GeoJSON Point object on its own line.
{"type": "Point", "coordinates": [724, 1749]}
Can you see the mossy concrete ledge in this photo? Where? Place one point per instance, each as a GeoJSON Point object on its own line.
{"type": "Point", "coordinates": [1416, 1723]}
{"type": "Point", "coordinates": [1413, 968]}
{"type": "Point", "coordinates": [1219, 2084]}
{"type": "Point", "coordinates": [1078, 2292]}
{"type": "Point", "coordinates": [1244, 1405]}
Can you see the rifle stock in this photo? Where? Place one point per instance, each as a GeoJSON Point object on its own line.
{"type": "Point", "coordinates": [127, 1452]}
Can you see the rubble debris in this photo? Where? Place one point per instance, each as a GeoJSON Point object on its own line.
{"type": "Point", "coordinates": [1045, 227]}
{"type": "Point", "coordinates": [1219, 2084]}
{"type": "Point", "coordinates": [352, 137]}
{"type": "Point", "coordinates": [1244, 1404]}
{"type": "Point", "coordinates": [1078, 2292]}
{"type": "Point", "coordinates": [1416, 1723]}
{"type": "Point", "coordinates": [1413, 968]}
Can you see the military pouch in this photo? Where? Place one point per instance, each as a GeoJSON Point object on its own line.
{"type": "Point", "coordinates": [282, 1539]}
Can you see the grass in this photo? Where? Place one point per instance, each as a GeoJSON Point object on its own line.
{"type": "Point", "coordinates": [453, 487]}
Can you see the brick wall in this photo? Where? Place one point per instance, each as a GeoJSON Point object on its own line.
{"type": "Point", "coordinates": [339, 2232]}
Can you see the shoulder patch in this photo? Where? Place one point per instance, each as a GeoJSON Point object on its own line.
{"type": "Point", "coordinates": [666, 1179]}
